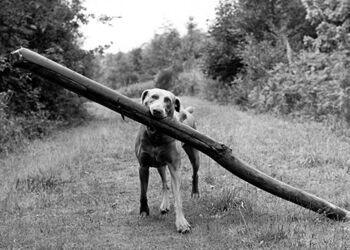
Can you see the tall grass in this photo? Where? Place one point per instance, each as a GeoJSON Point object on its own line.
{"type": "Point", "coordinates": [80, 188]}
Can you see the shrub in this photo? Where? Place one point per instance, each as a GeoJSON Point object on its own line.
{"type": "Point", "coordinates": [167, 78]}
{"type": "Point", "coordinates": [135, 90]}
{"type": "Point", "coordinates": [9, 133]}
{"type": "Point", "coordinates": [315, 85]}
{"type": "Point", "coordinates": [189, 83]}
{"type": "Point", "coordinates": [258, 59]}
{"type": "Point", "coordinates": [15, 130]}
{"type": "Point", "coordinates": [214, 90]}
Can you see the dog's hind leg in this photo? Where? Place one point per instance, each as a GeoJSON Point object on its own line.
{"type": "Point", "coordinates": [144, 176]}
{"type": "Point", "coordinates": [193, 155]}
{"type": "Point", "coordinates": [165, 205]}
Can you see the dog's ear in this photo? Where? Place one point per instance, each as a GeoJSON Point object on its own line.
{"type": "Point", "coordinates": [143, 95]}
{"type": "Point", "coordinates": [177, 104]}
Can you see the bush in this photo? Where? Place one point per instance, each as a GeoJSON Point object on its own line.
{"type": "Point", "coordinates": [189, 83]}
{"type": "Point", "coordinates": [9, 133]}
{"type": "Point", "coordinates": [214, 90]}
{"type": "Point", "coordinates": [135, 90]}
{"type": "Point", "coordinates": [16, 130]}
{"type": "Point", "coordinates": [315, 85]}
{"type": "Point", "coordinates": [258, 59]}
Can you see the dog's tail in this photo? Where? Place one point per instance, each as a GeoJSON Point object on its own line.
{"type": "Point", "coordinates": [184, 112]}
{"type": "Point", "coordinates": [190, 109]}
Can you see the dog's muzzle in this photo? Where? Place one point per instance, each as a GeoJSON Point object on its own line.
{"type": "Point", "coordinates": [158, 113]}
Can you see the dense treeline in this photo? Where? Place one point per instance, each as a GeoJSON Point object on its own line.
{"type": "Point", "coordinates": [294, 56]}
{"type": "Point", "coordinates": [164, 57]}
{"type": "Point", "coordinates": [284, 56]}
{"type": "Point", "coordinates": [290, 57]}
{"type": "Point", "coordinates": [30, 108]}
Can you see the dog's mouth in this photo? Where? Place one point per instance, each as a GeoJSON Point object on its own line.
{"type": "Point", "coordinates": [158, 114]}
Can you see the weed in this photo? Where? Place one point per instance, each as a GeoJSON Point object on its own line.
{"type": "Point", "coordinates": [38, 183]}
{"type": "Point", "coordinates": [273, 234]}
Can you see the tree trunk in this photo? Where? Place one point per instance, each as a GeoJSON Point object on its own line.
{"type": "Point", "coordinates": [289, 49]}
{"type": "Point", "coordinates": [57, 74]}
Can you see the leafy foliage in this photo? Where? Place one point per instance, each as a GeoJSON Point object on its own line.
{"type": "Point", "coordinates": [189, 83]}
{"type": "Point", "coordinates": [50, 28]}
{"type": "Point", "coordinates": [135, 90]}
{"type": "Point", "coordinates": [192, 45]}
{"type": "Point", "coordinates": [162, 51]}
{"type": "Point", "coordinates": [117, 70]}
{"type": "Point", "coordinates": [165, 56]}
{"type": "Point", "coordinates": [333, 19]}
{"type": "Point", "coordinates": [314, 86]}
{"type": "Point", "coordinates": [259, 58]}
{"type": "Point", "coordinates": [294, 56]}
{"type": "Point", "coordinates": [221, 59]}
{"type": "Point", "coordinates": [248, 38]}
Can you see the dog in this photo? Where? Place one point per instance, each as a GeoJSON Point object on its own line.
{"type": "Point", "coordinates": [155, 149]}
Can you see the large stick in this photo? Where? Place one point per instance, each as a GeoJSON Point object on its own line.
{"type": "Point", "coordinates": [94, 91]}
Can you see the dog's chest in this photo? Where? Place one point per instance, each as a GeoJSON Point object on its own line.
{"type": "Point", "coordinates": [153, 156]}
{"type": "Point", "coordinates": [156, 150]}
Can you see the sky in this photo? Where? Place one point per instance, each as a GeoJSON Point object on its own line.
{"type": "Point", "coordinates": [141, 19]}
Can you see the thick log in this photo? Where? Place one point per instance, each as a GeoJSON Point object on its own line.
{"type": "Point", "coordinates": [58, 74]}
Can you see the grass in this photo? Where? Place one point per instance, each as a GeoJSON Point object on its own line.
{"type": "Point", "coordinates": [79, 189]}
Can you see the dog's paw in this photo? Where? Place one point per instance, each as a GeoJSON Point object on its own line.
{"type": "Point", "coordinates": [164, 208]}
{"type": "Point", "coordinates": [164, 211]}
{"type": "Point", "coordinates": [143, 214]}
{"type": "Point", "coordinates": [182, 225]}
{"type": "Point", "coordinates": [195, 195]}
{"type": "Point", "coordinates": [165, 205]}
{"type": "Point", "coordinates": [144, 211]}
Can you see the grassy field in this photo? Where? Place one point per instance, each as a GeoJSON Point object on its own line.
{"type": "Point", "coordinates": [79, 189]}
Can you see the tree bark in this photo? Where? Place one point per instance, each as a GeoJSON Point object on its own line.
{"type": "Point", "coordinates": [58, 74]}
{"type": "Point", "coordinates": [289, 49]}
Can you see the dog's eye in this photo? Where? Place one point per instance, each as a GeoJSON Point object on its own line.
{"type": "Point", "coordinates": [155, 97]}
{"type": "Point", "coordinates": [167, 100]}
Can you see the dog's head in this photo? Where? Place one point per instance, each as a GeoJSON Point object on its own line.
{"type": "Point", "coordinates": [161, 103]}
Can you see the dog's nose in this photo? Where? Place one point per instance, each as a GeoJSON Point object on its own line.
{"type": "Point", "coordinates": [157, 112]}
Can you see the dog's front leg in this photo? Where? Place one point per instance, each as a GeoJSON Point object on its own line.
{"type": "Point", "coordinates": [144, 176]}
{"type": "Point", "coordinates": [165, 205]}
{"type": "Point", "coordinates": [181, 223]}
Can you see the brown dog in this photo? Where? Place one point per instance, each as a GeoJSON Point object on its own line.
{"type": "Point", "coordinates": [154, 149]}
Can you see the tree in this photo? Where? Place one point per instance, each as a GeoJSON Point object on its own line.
{"type": "Point", "coordinates": [136, 59]}
{"type": "Point", "coordinates": [274, 31]}
{"type": "Point", "coordinates": [118, 70]}
{"type": "Point", "coordinates": [162, 59]}
{"type": "Point", "coordinates": [162, 51]}
{"type": "Point", "coordinates": [221, 59]}
{"type": "Point", "coordinates": [192, 44]}
{"type": "Point", "coordinates": [279, 22]}
{"type": "Point", "coordinates": [50, 28]}
{"type": "Point", "coordinates": [332, 18]}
